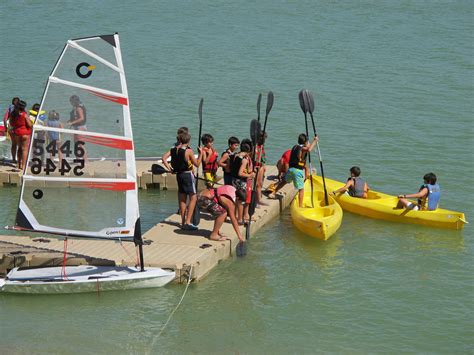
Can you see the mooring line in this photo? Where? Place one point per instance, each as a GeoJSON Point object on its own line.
{"type": "Point", "coordinates": [175, 309]}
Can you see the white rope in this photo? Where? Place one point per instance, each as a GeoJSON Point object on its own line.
{"type": "Point", "coordinates": [175, 309]}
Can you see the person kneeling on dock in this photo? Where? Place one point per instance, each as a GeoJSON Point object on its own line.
{"type": "Point", "coordinates": [220, 203]}
{"type": "Point", "coordinates": [429, 191]}
{"type": "Point", "coordinates": [355, 186]}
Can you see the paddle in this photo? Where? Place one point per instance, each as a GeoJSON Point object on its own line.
{"type": "Point", "coordinates": [310, 100]}
{"type": "Point", "coordinates": [304, 104]}
{"type": "Point", "coordinates": [258, 106]}
{"type": "Point", "coordinates": [160, 170]}
{"type": "Point", "coordinates": [197, 213]}
{"type": "Point", "coordinates": [254, 134]}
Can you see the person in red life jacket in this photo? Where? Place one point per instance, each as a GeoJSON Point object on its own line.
{"type": "Point", "coordinates": [21, 125]}
{"type": "Point", "coordinates": [224, 162]}
{"type": "Point", "coordinates": [259, 161]}
{"type": "Point", "coordinates": [9, 129]}
{"type": "Point", "coordinates": [242, 174]}
{"type": "Point", "coordinates": [182, 164]}
{"type": "Point", "coordinates": [297, 172]}
{"type": "Point", "coordinates": [209, 159]}
{"type": "Point", "coordinates": [220, 203]}
{"type": "Point", "coordinates": [355, 185]}
{"type": "Point", "coordinates": [283, 164]}
{"type": "Point", "coordinates": [427, 197]}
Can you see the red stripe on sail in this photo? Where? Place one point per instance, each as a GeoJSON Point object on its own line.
{"type": "Point", "coordinates": [110, 186]}
{"type": "Point", "coordinates": [117, 99]}
{"type": "Point", "coordinates": [116, 143]}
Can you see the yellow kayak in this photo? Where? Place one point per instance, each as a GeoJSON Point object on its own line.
{"type": "Point", "coordinates": [321, 221]}
{"type": "Point", "coordinates": [382, 206]}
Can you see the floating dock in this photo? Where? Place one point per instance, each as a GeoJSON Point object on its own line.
{"type": "Point", "coordinates": [166, 245]}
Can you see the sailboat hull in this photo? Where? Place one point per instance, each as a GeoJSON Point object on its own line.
{"type": "Point", "coordinates": [83, 278]}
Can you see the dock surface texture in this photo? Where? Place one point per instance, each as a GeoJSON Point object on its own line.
{"type": "Point", "coordinates": [166, 245]}
{"type": "Point", "coordinates": [9, 176]}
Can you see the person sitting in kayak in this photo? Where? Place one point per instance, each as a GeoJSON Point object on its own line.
{"type": "Point", "coordinates": [297, 167]}
{"type": "Point", "coordinates": [427, 197]}
{"type": "Point", "coordinates": [220, 203]}
{"type": "Point", "coordinates": [355, 185]}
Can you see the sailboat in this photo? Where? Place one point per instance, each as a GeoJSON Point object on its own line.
{"type": "Point", "coordinates": [80, 177]}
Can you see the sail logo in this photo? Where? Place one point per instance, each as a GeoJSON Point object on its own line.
{"type": "Point", "coordinates": [82, 73]}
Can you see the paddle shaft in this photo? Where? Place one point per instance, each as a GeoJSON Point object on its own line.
{"type": "Point", "coordinates": [309, 160]}
{"type": "Point", "coordinates": [196, 213]}
{"type": "Point", "coordinates": [320, 161]}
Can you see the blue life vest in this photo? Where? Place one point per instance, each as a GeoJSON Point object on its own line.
{"type": "Point", "coordinates": [434, 194]}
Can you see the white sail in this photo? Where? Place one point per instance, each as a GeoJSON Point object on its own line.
{"type": "Point", "coordinates": [80, 177]}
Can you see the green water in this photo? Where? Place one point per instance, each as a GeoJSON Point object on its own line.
{"type": "Point", "coordinates": [394, 87]}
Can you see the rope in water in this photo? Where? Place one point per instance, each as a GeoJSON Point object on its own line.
{"type": "Point", "coordinates": [175, 309]}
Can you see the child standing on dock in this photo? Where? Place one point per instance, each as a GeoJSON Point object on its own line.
{"type": "Point", "coordinates": [259, 161]}
{"type": "Point", "coordinates": [224, 162]}
{"type": "Point", "coordinates": [182, 164]}
{"type": "Point", "coordinates": [209, 159]}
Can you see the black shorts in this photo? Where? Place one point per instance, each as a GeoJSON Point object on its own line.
{"type": "Point", "coordinates": [186, 183]}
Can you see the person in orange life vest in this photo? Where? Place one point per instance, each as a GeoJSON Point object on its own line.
{"type": "Point", "coordinates": [209, 159]}
{"type": "Point", "coordinates": [22, 125]}
{"type": "Point", "coordinates": [220, 203]}
{"type": "Point", "coordinates": [182, 164]}
{"type": "Point", "coordinates": [224, 162]}
{"type": "Point", "coordinates": [9, 129]}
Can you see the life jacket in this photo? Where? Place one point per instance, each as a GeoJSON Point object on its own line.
{"type": "Point", "coordinates": [295, 161]}
{"type": "Point", "coordinates": [73, 115]}
{"type": "Point", "coordinates": [260, 157]}
{"type": "Point", "coordinates": [178, 160]}
{"type": "Point", "coordinates": [211, 165]}
{"type": "Point", "coordinates": [226, 170]}
{"type": "Point", "coordinates": [235, 162]}
{"type": "Point", "coordinates": [19, 124]}
{"type": "Point", "coordinates": [357, 190]}
{"type": "Point", "coordinates": [433, 197]}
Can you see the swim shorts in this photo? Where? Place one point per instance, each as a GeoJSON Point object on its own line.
{"type": "Point", "coordinates": [186, 183]}
{"type": "Point", "coordinates": [296, 176]}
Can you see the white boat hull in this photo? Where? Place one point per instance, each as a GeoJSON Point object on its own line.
{"type": "Point", "coordinates": [83, 278]}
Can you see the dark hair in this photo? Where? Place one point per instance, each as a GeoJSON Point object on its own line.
{"type": "Point", "coordinates": [20, 106]}
{"type": "Point", "coordinates": [233, 140]}
{"type": "Point", "coordinates": [15, 99]}
{"type": "Point", "coordinates": [206, 138]}
{"type": "Point", "coordinates": [35, 107]}
{"type": "Point", "coordinates": [182, 130]}
{"type": "Point", "coordinates": [430, 178]}
{"type": "Point", "coordinates": [75, 100]}
{"type": "Point", "coordinates": [53, 115]}
{"type": "Point", "coordinates": [184, 138]}
{"type": "Point", "coordinates": [302, 138]}
{"type": "Point", "coordinates": [355, 170]}
{"type": "Point", "coordinates": [246, 145]}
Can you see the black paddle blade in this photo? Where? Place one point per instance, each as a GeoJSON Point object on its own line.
{"type": "Point", "coordinates": [196, 216]}
{"type": "Point", "coordinates": [158, 169]}
{"type": "Point", "coordinates": [258, 106]}
{"type": "Point", "coordinates": [241, 249]}
{"type": "Point", "coordinates": [247, 232]}
{"type": "Point", "coordinates": [200, 108]}
{"type": "Point", "coordinates": [301, 97]}
{"type": "Point", "coordinates": [269, 103]}
{"type": "Point", "coordinates": [255, 131]}
{"type": "Point", "coordinates": [310, 100]}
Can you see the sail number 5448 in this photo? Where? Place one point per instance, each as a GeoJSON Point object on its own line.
{"type": "Point", "coordinates": [63, 166]}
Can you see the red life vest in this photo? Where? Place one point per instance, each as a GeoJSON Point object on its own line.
{"type": "Point", "coordinates": [19, 124]}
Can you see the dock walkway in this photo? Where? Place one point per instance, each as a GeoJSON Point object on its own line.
{"type": "Point", "coordinates": [166, 245]}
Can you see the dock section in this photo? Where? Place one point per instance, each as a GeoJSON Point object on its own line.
{"type": "Point", "coordinates": [166, 245]}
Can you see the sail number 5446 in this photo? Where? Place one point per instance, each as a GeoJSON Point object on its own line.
{"type": "Point", "coordinates": [63, 166]}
